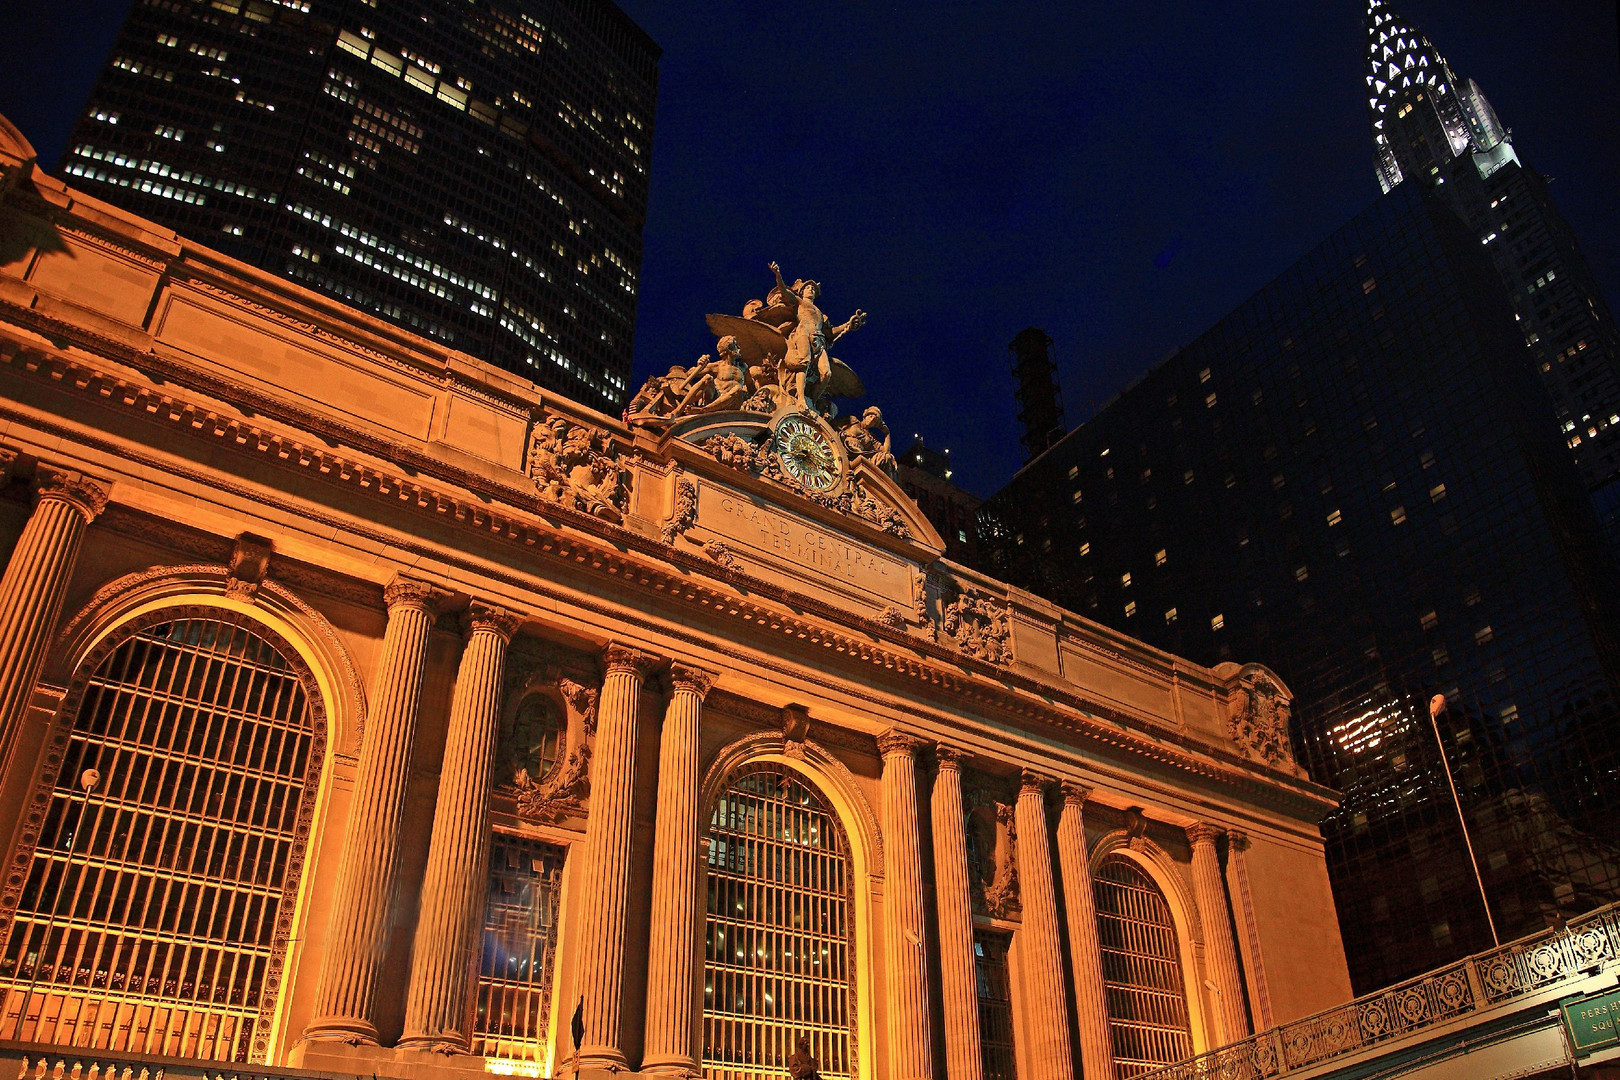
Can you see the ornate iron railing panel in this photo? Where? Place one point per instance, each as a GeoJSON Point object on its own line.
{"type": "Point", "coordinates": [1515, 970]}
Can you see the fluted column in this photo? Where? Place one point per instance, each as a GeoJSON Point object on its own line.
{"type": "Point", "coordinates": [358, 934]}
{"type": "Point", "coordinates": [911, 1047]}
{"type": "Point", "coordinates": [1237, 846]}
{"type": "Point", "coordinates": [1085, 952]}
{"type": "Point", "coordinates": [1232, 1020]}
{"type": "Point", "coordinates": [957, 975]}
{"type": "Point", "coordinates": [1042, 958]}
{"type": "Point", "coordinates": [607, 857]}
{"type": "Point", "coordinates": [34, 584]}
{"type": "Point", "coordinates": [672, 986]}
{"type": "Point", "coordinates": [450, 920]}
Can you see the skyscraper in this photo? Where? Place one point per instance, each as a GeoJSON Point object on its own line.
{"type": "Point", "coordinates": [1356, 478]}
{"type": "Point", "coordinates": [1432, 128]}
{"type": "Point", "coordinates": [475, 172]}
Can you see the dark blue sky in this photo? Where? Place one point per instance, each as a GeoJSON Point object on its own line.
{"type": "Point", "coordinates": [1121, 175]}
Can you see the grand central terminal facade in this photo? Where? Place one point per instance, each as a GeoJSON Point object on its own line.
{"type": "Point", "coordinates": [365, 709]}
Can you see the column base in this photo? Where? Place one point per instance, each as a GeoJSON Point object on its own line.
{"type": "Point", "coordinates": [671, 1066]}
{"type": "Point", "coordinates": [347, 1030]}
{"type": "Point", "coordinates": [385, 1063]}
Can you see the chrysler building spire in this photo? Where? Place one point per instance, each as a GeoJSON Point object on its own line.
{"type": "Point", "coordinates": [1407, 74]}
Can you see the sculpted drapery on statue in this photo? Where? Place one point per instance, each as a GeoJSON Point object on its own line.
{"type": "Point", "coordinates": [771, 358]}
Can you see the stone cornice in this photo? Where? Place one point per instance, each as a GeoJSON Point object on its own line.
{"type": "Point", "coordinates": [624, 557]}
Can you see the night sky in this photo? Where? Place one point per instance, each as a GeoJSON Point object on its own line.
{"type": "Point", "coordinates": [1121, 175]}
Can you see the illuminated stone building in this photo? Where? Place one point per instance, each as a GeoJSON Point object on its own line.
{"type": "Point", "coordinates": [366, 708]}
{"type": "Point", "coordinates": [1355, 477]}
{"type": "Point", "coordinates": [474, 172]}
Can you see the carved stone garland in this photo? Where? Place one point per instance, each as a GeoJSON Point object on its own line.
{"type": "Point", "coordinates": [577, 466]}
{"type": "Point", "coordinates": [1257, 719]}
{"type": "Point", "coordinates": [560, 793]}
{"type": "Point", "coordinates": [978, 627]}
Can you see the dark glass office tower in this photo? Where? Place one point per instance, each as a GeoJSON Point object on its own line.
{"type": "Point", "coordinates": [473, 170]}
{"type": "Point", "coordinates": [1431, 128]}
{"type": "Point", "coordinates": [1356, 479]}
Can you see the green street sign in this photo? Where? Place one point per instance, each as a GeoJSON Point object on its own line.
{"type": "Point", "coordinates": [1591, 1022]}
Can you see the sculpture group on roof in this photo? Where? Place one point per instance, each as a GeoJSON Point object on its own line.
{"type": "Point", "coordinates": [773, 357]}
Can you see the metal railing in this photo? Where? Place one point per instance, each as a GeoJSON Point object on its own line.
{"type": "Point", "coordinates": [1481, 982]}
{"type": "Point", "coordinates": [30, 1061]}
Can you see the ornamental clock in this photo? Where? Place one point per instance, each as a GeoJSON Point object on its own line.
{"type": "Point", "coordinates": [806, 454]}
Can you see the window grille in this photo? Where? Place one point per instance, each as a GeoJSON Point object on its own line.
{"type": "Point", "coordinates": [149, 919]}
{"type": "Point", "coordinates": [1147, 998]}
{"type": "Point", "coordinates": [513, 1018]}
{"type": "Point", "coordinates": [995, 1007]}
{"type": "Point", "coordinates": [777, 937]}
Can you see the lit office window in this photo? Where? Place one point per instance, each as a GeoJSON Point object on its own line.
{"type": "Point", "coordinates": [1147, 1000]}
{"type": "Point", "coordinates": [777, 935]}
{"type": "Point", "coordinates": [148, 922]}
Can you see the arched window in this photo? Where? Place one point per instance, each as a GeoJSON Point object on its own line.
{"type": "Point", "coordinates": [777, 935]}
{"type": "Point", "coordinates": [1141, 960]}
{"type": "Point", "coordinates": [149, 919]}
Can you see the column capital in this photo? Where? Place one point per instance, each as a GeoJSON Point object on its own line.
{"type": "Point", "coordinates": [409, 592]}
{"type": "Point", "coordinates": [1237, 839]}
{"type": "Point", "coordinates": [618, 657]}
{"type": "Point", "coordinates": [894, 741]}
{"type": "Point", "coordinates": [1038, 782]}
{"type": "Point", "coordinates": [86, 495]}
{"type": "Point", "coordinates": [497, 620]}
{"type": "Point", "coordinates": [947, 756]}
{"type": "Point", "coordinates": [1075, 793]}
{"type": "Point", "coordinates": [1202, 832]}
{"type": "Point", "coordinates": [694, 679]}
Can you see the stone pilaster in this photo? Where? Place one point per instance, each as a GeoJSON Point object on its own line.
{"type": "Point", "coordinates": [358, 934]}
{"type": "Point", "coordinates": [957, 974]}
{"type": "Point", "coordinates": [1210, 892]}
{"type": "Point", "coordinates": [1237, 847]}
{"type": "Point", "coordinates": [911, 1047]}
{"type": "Point", "coordinates": [607, 858]}
{"type": "Point", "coordinates": [1050, 1055]}
{"type": "Point", "coordinates": [451, 916]}
{"type": "Point", "coordinates": [34, 585]}
{"type": "Point", "coordinates": [1085, 952]}
{"type": "Point", "coordinates": [672, 1044]}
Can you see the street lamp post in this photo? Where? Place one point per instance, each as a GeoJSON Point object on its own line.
{"type": "Point", "coordinates": [1437, 705]}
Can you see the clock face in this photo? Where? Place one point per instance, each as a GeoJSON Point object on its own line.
{"type": "Point", "coordinates": [806, 454]}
